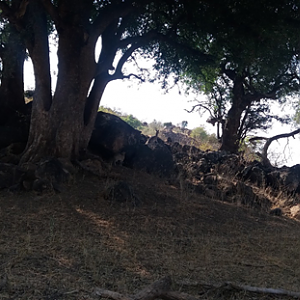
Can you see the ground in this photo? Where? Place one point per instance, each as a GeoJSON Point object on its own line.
{"type": "Point", "coordinates": [64, 245]}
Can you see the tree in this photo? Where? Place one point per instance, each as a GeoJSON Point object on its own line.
{"type": "Point", "coordinates": [200, 133]}
{"type": "Point", "coordinates": [12, 53]}
{"type": "Point", "coordinates": [249, 108]}
{"type": "Point", "coordinates": [254, 62]}
{"type": "Point", "coordinates": [184, 124]}
{"type": "Point", "coordinates": [62, 123]}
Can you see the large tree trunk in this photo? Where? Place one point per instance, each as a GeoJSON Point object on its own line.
{"type": "Point", "coordinates": [62, 124]}
{"type": "Point", "coordinates": [230, 139]}
{"type": "Point", "coordinates": [12, 81]}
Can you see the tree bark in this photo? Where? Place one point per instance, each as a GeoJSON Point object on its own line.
{"type": "Point", "coordinates": [12, 78]}
{"type": "Point", "coordinates": [62, 124]}
{"type": "Point", "coordinates": [230, 138]}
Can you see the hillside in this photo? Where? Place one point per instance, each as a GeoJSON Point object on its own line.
{"type": "Point", "coordinates": [64, 245]}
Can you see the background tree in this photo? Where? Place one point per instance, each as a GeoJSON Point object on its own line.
{"type": "Point", "coordinates": [132, 121]}
{"type": "Point", "coordinates": [184, 124]}
{"type": "Point", "coordinates": [255, 49]}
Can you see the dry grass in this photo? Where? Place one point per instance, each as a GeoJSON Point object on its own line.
{"type": "Point", "coordinates": [63, 246]}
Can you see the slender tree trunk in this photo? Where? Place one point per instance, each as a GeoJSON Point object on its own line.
{"type": "Point", "coordinates": [38, 47]}
{"type": "Point", "coordinates": [12, 78]}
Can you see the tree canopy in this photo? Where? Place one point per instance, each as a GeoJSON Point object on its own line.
{"type": "Point", "coordinates": [255, 47]}
{"type": "Point", "coordinates": [61, 124]}
{"type": "Point", "coordinates": [247, 50]}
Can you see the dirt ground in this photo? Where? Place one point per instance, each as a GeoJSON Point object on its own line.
{"type": "Point", "coordinates": [63, 246]}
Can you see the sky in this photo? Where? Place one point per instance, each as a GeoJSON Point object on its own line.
{"type": "Point", "coordinates": [147, 101]}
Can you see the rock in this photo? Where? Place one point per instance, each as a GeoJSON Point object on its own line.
{"type": "Point", "coordinates": [48, 174]}
{"type": "Point", "coordinates": [210, 179]}
{"type": "Point", "coordinates": [92, 165]}
{"type": "Point", "coordinates": [176, 148]}
{"type": "Point", "coordinates": [112, 137]}
{"type": "Point", "coordinates": [203, 166]}
{"type": "Point", "coordinates": [290, 178]}
{"type": "Point", "coordinates": [155, 142]}
{"type": "Point", "coordinates": [157, 161]}
{"type": "Point", "coordinates": [8, 175]}
{"type": "Point", "coordinates": [276, 212]}
{"type": "Point", "coordinates": [295, 211]}
{"type": "Point", "coordinates": [255, 175]}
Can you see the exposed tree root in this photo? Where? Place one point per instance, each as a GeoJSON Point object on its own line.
{"type": "Point", "coordinates": [161, 289]}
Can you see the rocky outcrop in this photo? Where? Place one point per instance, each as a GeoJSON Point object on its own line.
{"type": "Point", "coordinates": [112, 137]}
{"type": "Point", "coordinates": [117, 142]}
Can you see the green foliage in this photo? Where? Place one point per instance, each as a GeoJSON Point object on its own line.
{"type": "Point", "coordinates": [110, 111]}
{"type": "Point", "coordinates": [152, 128]}
{"type": "Point", "coordinates": [297, 114]}
{"type": "Point", "coordinates": [204, 140]}
{"type": "Point", "coordinates": [263, 55]}
{"type": "Point", "coordinates": [132, 121]}
{"type": "Point", "coordinates": [200, 133]}
{"type": "Point", "coordinates": [168, 124]}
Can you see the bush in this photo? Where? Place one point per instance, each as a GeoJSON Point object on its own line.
{"type": "Point", "coordinates": [132, 121]}
{"type": "Point", "coordinates": [200, 133]}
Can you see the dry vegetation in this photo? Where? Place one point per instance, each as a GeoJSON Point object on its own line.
{"type": "Point", "coordinates": [63, 246]}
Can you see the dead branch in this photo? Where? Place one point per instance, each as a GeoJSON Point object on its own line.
{"type": "Point", "coordinates": [264, 155]}
{"type": "Point", "coordinates": [262, 290]}
{"type": "Point", "coordinates": [161, 289]}
{"type": "Point", "coordinates": [248, 288]}
{"type": "Point", "coordinates": [257, 138]}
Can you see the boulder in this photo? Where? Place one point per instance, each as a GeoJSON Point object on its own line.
{"type": "Point", "coordinates": [116, 141]}
{"type": "Point", "coordinates": [290, 178]}
{"type": "Point", "coordinates": [295, 211]}
{"type": "Point", "coordinates": [8, 175]}
{"type": "Point", "coordinates": [157, 160]}
{"type": "Point", "coordinates": [112, 136]}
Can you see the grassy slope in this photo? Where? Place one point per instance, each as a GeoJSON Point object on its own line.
{"type": "Point", "coordinates": [63, 246]}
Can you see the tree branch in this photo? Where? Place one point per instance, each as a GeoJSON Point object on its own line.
{"type": "Point", "coordinates": [22, 9]}
{"type": "Point", "coordinates": [11, 14]}
{"type": "Point", "coordinates": [266, 162]}
{"type": "Point", "coordinates": [52, 11]}
{"type": "Point", "coordinates": [105, 18]}
{"type": "Point", "coordinates": [200, 105]}
{"type": "Point", "coordinates": [139, 42]}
